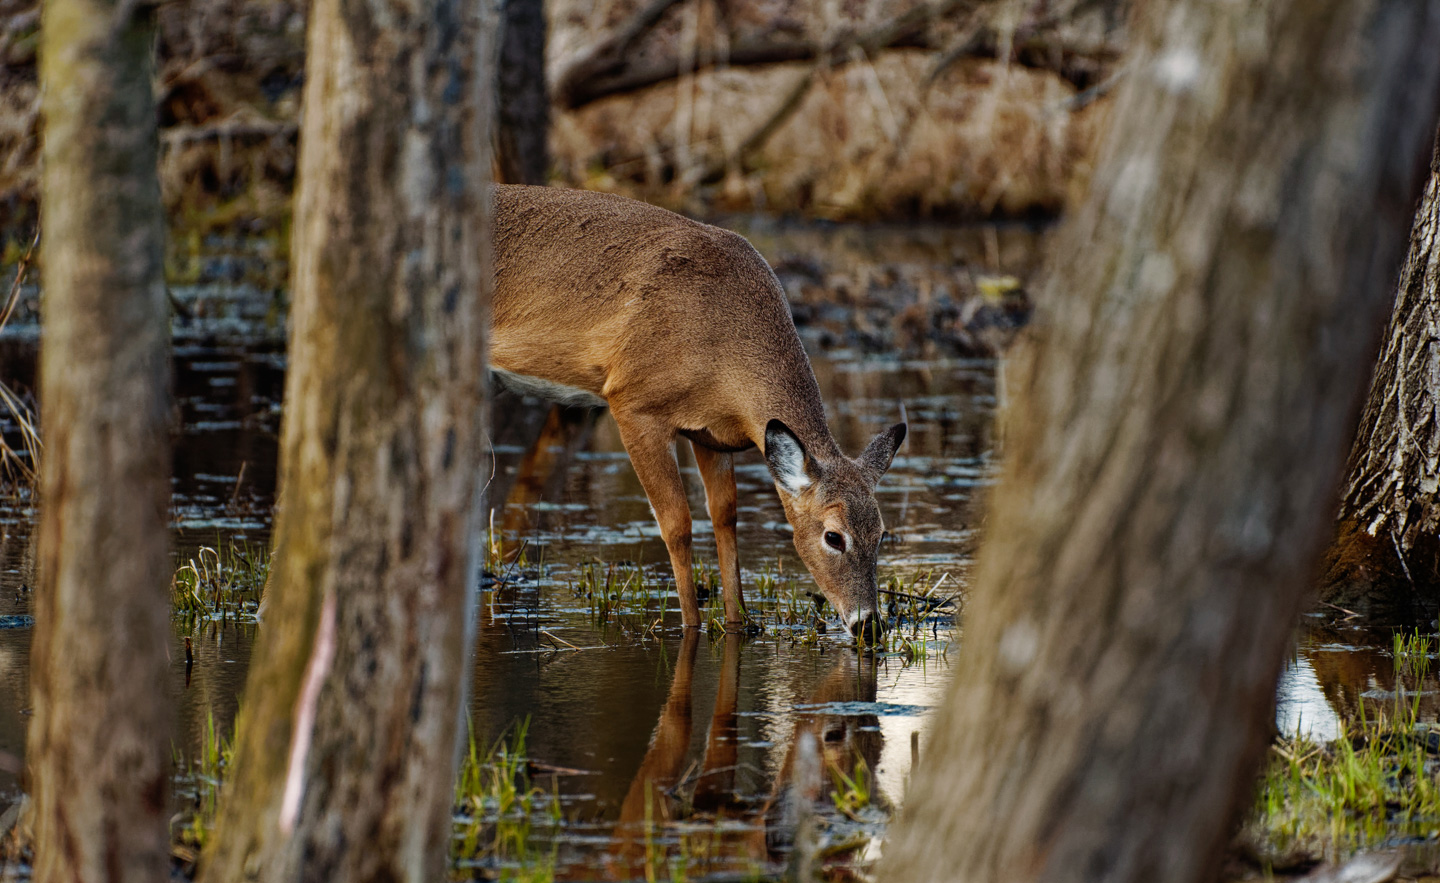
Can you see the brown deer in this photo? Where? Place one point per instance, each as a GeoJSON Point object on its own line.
{"type": "Point", "coordinates": [682, 329]}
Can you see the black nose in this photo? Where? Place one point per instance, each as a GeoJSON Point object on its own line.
{"type": "Point", "coordinates": [868, 629]}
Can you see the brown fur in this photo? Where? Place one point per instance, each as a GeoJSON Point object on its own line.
{"type": "Point", "coordinates": [682, 329]}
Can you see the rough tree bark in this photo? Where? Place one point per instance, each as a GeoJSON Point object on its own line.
{"type": "Point", "coordinates": [522, 120]}
{"type": "Point", "coordinates": [1177, 435]}
{"type": "Point", "coordinates": [98, 746]}
{"type": "Point", "coordinates": [1387, 554]}
{"type": "Point", "coordinates": [347, 742]}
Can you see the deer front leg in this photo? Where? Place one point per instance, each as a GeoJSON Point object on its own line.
{"type": "Point", "coordinates": [651, 447]}
{"type": "Point", "coordinates": [717, 470]}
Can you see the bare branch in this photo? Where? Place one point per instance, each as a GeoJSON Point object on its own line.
{"type": "Point", "coordinates": [609, 54]}
{"type": "Point", "coordinates": [604, 71]}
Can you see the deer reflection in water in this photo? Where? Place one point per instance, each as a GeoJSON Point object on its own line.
{"type": "Point", "coordinates": [702, 794]}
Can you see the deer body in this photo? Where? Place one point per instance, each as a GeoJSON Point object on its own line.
{"type": "Point", "coordinates": [682, 329]}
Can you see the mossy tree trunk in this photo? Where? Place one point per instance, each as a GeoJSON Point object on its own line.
{"type": "Point", "coordinates": [1387, 555]}
{"type": "Point", "coordinates": [1177, 436]}
{"type": "Point", "coordinates": [99, 741]}
{"type": "Point", "coordinates": [347, 740]}
{"type": "Point", "coordinates": [522, 123]}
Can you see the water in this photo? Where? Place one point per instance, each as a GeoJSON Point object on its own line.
{"type": "Point", "coordinates": [718, 715]}
{"type": "Point", "coordinates": [608, 715]}
{"type": "Point", "coordinates": [719, 741]}
{"type": "Point", "coordinates": [1342, 673]}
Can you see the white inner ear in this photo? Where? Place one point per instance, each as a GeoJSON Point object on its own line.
{"type": "Point", "coordinates": [788, 465]}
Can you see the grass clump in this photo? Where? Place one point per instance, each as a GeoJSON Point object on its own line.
{"type": "Point", "coordinates": [497, 806]}
{"type": "Point", "coordinates": [498, 809]}
{"type": "Point", "coordinates": [199, 791]}
{"type": "Point", "coordinates": [852, 793]}
{"type": "Point", "coordinates": [1378, 781]}
{"type": "Point", "coordinates": [222, 584]}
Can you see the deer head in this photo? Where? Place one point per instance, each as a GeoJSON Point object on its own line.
{"type": "Point", "coordinates": [831, 505]}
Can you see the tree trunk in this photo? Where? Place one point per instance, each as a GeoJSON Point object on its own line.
{"type": "Point", "coordinates": [1176, 438]}
{"type": "Point", "coordinates": [347, 743]}
{"type": "Point", "coordinates": [98, 747]}
{"type": "Point", "coordinates": [522, 124]}
{"type": "Point", "coordinates": [1387, 557]}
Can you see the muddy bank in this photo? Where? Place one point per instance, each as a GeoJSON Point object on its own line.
{"type": "Point", "coordinates": [792, 107]}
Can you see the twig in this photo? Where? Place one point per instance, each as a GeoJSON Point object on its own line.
{"type": "Point", "coordinates": [839, 51]}
{"type": "Point", "coordinates": [177, 306]}
{"type": "Point", "coordinates": [228, 128]}
{"type": "Point", "coordinates": [559, 639]}
{"type": "Point", "coordinates": [20, 269]}
{"type": "Point", "coordinates": [25, 419]}
{"type": "Point", "coordinates": [607, 55]}
{"type": "Point", "coordinates": [756, 140]}
{"type": "Point", "coordinates": [552, 769]}
{"type": "Point", "coordinates": [1398, 554]}
{"type": "Point", "coordinates": [1349, 614]}
{"type": "Point", "coordinates": [691, 776]}
{"type": "Point", "coordinates": [932, 601]}
{"type": "Point", "coordinates": [239, 479]}
{"type": "Point", "coordinates": [1082, 99]}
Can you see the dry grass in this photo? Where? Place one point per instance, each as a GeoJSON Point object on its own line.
{"type": "Point", "coordinates": [19, 467]}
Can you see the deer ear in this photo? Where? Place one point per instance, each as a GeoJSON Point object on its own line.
{"type": "Point", "coordinates": [791, 468]}
{"type": "Point", "coordinates": [881, 452]}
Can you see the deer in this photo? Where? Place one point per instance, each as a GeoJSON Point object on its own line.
{"type": "Point", "coordinates": [682, 329]}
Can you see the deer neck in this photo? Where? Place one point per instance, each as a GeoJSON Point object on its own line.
{"type": "Point", "coordinates": [805, 416]}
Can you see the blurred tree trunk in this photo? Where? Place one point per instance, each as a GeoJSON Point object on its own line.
{"type": "Point", "coordinates": [98, 748]}
{"type": "Point", "coordinates": [1176, 441]}
{"type": "Point", "coordinates": [347, 741]}
{"type": "Point", "coordinates": [522, 125]}
{"type": "Point", "coordinates": [1387, 555]}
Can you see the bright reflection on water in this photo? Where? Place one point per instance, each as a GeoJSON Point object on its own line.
{"type": "Point", "coordinates": [1301, 708]}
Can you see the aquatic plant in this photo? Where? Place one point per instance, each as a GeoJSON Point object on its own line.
{"type": "Point", "coordinates": [617, 589]}
{"type": "Point", "coordinates": [1375, 782]}
{"type": "Point", "coordinates": [1412, 653]}
{"type": "Point", "coordinates": [498, 562]}
{"type": "Point", "coordinates": [852, 792]}
{"type": "Point", "coordinates": [497, 807]}
{"type": "Point", "coordinates": [220, 583]}
{"type": "Point", "coordinates": [200, 778]}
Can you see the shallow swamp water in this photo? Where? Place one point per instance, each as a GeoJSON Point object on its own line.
{"type": "Point", "coordinates": [634, 752]}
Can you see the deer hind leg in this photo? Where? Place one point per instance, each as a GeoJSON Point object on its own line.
{"type": "Point", "coordinates": [651, 447]}
{"type": "Point", "coordinates": [717, 470]}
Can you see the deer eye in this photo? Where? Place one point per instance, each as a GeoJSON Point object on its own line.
{"type": "Point", "coordinates": [835, 541]}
